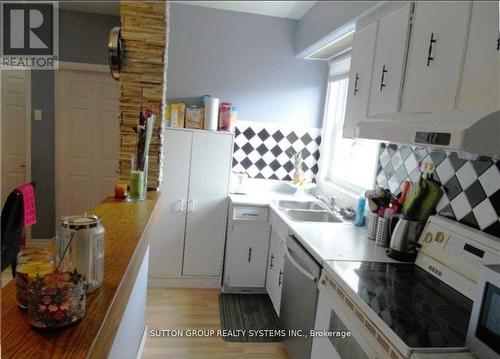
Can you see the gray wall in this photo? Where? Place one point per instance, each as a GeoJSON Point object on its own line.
{"type": "Point", "coordinates": [246, 59]}
{"type": "Point", "coordinates": [82, 38]}
{"type": "Point", "coordinates": [324, 18]}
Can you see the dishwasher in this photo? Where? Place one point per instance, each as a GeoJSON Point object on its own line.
{"type": "Point", "coordinates": [299, 299]}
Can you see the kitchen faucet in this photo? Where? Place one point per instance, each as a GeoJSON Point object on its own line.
{"type": "Point", "coordinates": [329, 201]}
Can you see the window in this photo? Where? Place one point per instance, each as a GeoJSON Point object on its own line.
{"type": "Point", "coordinates": [347, 165]}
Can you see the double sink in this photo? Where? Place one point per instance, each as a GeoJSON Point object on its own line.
{"type": "Point", "coordinates": [308, 211]}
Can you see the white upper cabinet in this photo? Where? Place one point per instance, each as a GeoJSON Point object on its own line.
{"type": "Point", "coordinates": [480, 89]}
{"type": "Point", "coordinates": [390, 57]}
{"type": "Point", "coordinates": [435, 56]}
{"type": "Point", "coordinates": [360, 74]}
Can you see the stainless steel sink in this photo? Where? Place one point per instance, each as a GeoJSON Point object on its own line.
{"type": "Point", "coordinates": [312, 216]}
{"type": "Point", "coordinates": [300, 205]}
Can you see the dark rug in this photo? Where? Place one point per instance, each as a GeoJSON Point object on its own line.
{"type": "Point", "coordinates": [249, 317]}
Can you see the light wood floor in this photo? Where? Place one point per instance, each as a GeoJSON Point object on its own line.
{"type": "Point", "coordinates": [170, 308]}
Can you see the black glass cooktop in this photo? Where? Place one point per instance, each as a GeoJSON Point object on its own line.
{"type": "Point", "coordinates": [423, 311]}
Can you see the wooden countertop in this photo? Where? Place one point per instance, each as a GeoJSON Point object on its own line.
{"type": "Point", "coordinates": [125, 223]}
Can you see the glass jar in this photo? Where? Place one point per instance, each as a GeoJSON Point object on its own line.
{"type": "Point", "coordinates": [31, 262]}
{"type": "Point", "coordinates": [56, 300]}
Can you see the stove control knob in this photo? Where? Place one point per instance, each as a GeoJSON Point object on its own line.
{"type": "Point", "coordinates": [439, 237]}
{"type": "Point", "coordinates": [428, 237]}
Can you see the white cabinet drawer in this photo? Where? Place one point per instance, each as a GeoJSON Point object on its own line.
{"type": "Point", "coordinates": [246, 213]}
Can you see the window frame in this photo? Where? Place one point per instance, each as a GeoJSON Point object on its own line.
{"type": "Point", "coordinates": [346, 191]}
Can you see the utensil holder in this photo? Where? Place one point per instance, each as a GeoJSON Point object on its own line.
{"type": "Point", "coordinates": [372, 223]}
{"type": "Point", "coordinates": [382, 236]}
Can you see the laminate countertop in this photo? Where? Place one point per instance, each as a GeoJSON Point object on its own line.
{"type": "Point", "coordinates": [125, 247]}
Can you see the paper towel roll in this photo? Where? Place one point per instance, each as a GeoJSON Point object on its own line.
{"type": "Point", "coordinates": [211, 114]}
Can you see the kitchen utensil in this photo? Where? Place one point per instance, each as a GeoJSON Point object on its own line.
{"type": "Point", "coordinates": [85, 251]}
{"type": "Point", "coordinates": [404, 234]}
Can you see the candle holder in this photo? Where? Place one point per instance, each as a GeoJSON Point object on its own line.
{"type": "Point", "coordinates": [138, 179]}
{"type": "Point", "coordinates": [56, 300]}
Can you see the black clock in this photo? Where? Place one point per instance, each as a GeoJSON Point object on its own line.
{"type": "Point", "coordinates": [115, 51]}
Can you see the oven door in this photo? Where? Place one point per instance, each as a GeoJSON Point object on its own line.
{"type": "Point", "coordinates": [338, 333]}
{"type": "Point", "coordinates": [483, 336]}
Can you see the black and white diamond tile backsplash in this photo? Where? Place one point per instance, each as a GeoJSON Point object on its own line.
{"type": "Point", "coordinates": [262, 150]}
{"type": "Point", "coordinates": [471, 188]}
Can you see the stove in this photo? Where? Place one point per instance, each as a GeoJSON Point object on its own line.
{"type": "Point", "coordinates": [408, 310]}
{"type": "Point", "coordinates": [423, 311]}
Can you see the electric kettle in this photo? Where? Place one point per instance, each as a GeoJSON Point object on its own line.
{"type": "Point", "coordinates": [404, 238]}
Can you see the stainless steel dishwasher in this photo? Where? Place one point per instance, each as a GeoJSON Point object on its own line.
{"type": "Point", "coordinates": [299, 298]}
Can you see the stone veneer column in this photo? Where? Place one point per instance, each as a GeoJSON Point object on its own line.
{"type": "Point", "coordinates": [144, 30]}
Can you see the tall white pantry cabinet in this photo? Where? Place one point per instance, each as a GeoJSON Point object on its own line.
{"type": "Point", "coordinates": [188, 233]}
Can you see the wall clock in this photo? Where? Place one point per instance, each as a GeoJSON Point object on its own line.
{"type": "Point", "coordinates": [115, 51]}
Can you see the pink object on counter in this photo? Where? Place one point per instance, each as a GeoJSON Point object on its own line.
{"type": "Point", "coordinates": [29, 208]}
{"type": "Point", "coordinates": [225, 116]}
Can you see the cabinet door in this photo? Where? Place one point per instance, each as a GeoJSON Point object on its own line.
{"type": "Point", "coordinates": [435, 56]}
{"type": "Point", "coordinates": [273, 269]}
{"type": "Point", "coordinates": [481, 75]}
{"type": "Point", "coordinates": [211, 158]}
{"type": "Point", "coordinates": [363, 49]}
{"type": "Point", "coordinates": [167, 230]}
{"type": "Point", "coordinates": [248, 257]}
{"type": "Point", "coordinates": [389, 64]}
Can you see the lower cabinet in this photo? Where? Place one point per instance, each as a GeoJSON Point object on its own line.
{"type": "Point", "coordinates": [247, 249]}
{"type": "Point", "coordinates": [276, 259]}
{"type": "Point", "coordinates": [275, 263]}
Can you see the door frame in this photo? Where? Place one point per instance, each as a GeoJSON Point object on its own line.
{"type": "Point", "coordinates": [68, 66]}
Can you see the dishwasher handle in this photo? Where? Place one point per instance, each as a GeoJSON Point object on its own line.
{"type": "Point", "coordinates": [298, 266]}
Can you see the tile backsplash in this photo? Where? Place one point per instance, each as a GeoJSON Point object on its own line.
{"type": "Point", "coordinates": [262, 150]}
{"type": "Point", "coordinates": [471, 187]}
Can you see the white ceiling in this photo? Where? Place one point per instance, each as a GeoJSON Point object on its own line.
{"type": "Point", "coordinates": [286, 9]}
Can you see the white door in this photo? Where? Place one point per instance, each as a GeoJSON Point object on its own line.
{"type": "Point", "coordinates": [248, 257]}
{"type": "Point", "coordinates": [481, 75]}
{"type": "Point", "coordinates": [167, 232]}
{"type": "Point", "coordinates": [389, 63]}
{"type": "Point", "coordinates": [363, 49]}
{"type": "Point", "coordinates": [211, 159]}
{"type": "Point", "coordinates": [435, 56]}
{"type": "Point", "coordinates": [15, 103]}
{"type": "Point", "coordinates": [88, 135]}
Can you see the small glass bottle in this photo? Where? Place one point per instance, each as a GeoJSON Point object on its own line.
{"type": "Point", "coordinates": [31, 262]}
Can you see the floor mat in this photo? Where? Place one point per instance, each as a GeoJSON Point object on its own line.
{"type": "Point", "coordinates": [248, 318]}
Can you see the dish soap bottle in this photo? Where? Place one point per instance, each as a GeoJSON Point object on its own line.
{"type": "Point", "coordinates": [360, 212]}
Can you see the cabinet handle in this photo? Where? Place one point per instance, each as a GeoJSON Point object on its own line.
{"type": "Point", "coordinates": [356, 84]}
{"type": "Point", "coordinates": [280, 278]}
{"type": "Point", "coordinates": [271, 261]}
{"type": "Point", "coordinates": [249, 254]}
{"type": "Point", "coordinates": [431, 43]}
{"type": "Point", "coordinates": [250, 214]}
{"type": "Point", "coordinates": [384, 71]}
{"type": "Point", "coordinates": [191, 205]}
{"type": "Point", "coordinates": [498, 43]}
{"type": "Point", "coordinates": [179, 206]}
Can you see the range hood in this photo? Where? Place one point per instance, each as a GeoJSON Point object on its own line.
{"type": "Point", "coordinates": [471, 132]}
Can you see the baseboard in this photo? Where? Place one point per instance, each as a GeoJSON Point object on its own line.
{"type": "Point", "coordinates": [243, 290]}
{"type": "Point", "coordinates": [184, 282]}
{"type": "Point", "coordinates": [143, 343]}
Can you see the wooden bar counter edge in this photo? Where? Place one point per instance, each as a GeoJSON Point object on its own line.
{"type": "Point", "coordinates": [125, 283]}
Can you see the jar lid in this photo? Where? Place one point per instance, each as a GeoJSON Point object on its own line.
{"type": "Point", "coordinates": [80, 221]}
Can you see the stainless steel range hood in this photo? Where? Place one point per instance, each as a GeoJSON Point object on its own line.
{"type": "Point", "coordinates": [470, 132]}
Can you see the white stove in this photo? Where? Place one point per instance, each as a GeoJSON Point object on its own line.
{"type": "Point", "coordinates": [406, 310]}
